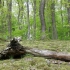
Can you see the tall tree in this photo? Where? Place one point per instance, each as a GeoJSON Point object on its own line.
{"type": "Point", "coordinates": [61, 12]}
{"type": "Point", "coordinates": [28, 22]}
{"type": "Point", "coordinates": [54, 31]}
{"type": "Point", "coordinates": [0, 3]}
{"type": "Point", "coordinates": [68, 10]}
{"type": "Point", "coordinates": [34, 25]}
{"type": "Point", "coordinates": [20, 13]}
{"type": "Point", "coordinates": [2, 19]}
{"type": "Point", "coordinates": [42, 19]}
{"type": "Point", "coordinates": [9, 16]}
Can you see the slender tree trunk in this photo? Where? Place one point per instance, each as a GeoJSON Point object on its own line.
{"type": "Point", "coordinates": [34, 8]}
{"type": "Point", "coordinates": [0, 3]}
{"type": "Point", "coordinates": [42, 19]}
{"type": "Point", "coordinates": [2, 17]}
{"type": "Point", "coordinates": [20, 13]}
{"type": "Point", "coordinates": [54, 31]}
{"type": "Point", "coordinates": [61, 13]}
{"type": "Point", "coordinates": [62, 20]}
{"type": "Point", "coordinates": [9, 11]}
{"type": "Point", "coordinates": [28, 22]}
{"type": "Point", "coordinates": [68, 9]}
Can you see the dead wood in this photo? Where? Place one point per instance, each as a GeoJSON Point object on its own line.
{"type": "Point", "coordinates": [16, 50]}
{"type": "Point", "coordinates": [50, 54]}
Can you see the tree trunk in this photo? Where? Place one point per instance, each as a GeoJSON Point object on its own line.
{"type": "Point", "coordinates": [34, 25]}
{"type": "Point", "coordinates": [68, 9]}
{"type": "Point", "coordinates": [16, 50]}
{"type": "Point", "coordinates": [2, 17]}
{"type": "Point", "coordinates": [42, 19]}
{"type": "Point", "coordinates": [0, 3]}
{"type": "Point", "coordinates": [54, 31]}
{"type": "Point", "coordinates": [28, 22]}
{"type": "Point", "coordinates": [20, 13]}
{"type": "Point", "coordinates": [62, 19]}
{"type": "Point", "coordinates": [49, 54]}
{"type": "Point", "coordinates": [9, 13]}
{"type": "Point", "coordinates": [61, 13]}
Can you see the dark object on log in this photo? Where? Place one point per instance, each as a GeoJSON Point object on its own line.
{"type": "Point", "coordinates": [16, 50]}
{"type": "Point", "coordinates": [15, 45]}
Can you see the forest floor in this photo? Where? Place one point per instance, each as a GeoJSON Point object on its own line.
{"type": "Point", "coordinates": [29, 62]}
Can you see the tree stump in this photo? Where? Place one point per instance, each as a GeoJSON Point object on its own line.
{"type": "Point", "coordinates": [14, 50]}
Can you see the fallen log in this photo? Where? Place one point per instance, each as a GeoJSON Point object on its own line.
{"type": "Point", "coordinates": [16, 50]}
{"type": "Point", "coordinates": [49, 54]}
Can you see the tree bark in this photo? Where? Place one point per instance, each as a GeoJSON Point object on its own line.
{"type": "Point", "coordinates": [0, 3]}
{"type": "Point", "coordinates": [9, 11]}
{"type": "Point", "coordinates": [54, 31]}
{"type": "Point", "coordinates": [42, 19]}
{"type": "Point", "coordinates": [20, 13]}
{"type": "Point", "coordinates": [61, 13]}
{"type": "Point", "coordinates": [28, 22]}
{"type": "Point", "coordinates": [49, 54]}
{"type": "Point", "coordinates": [16, 50]}
{"type": "Point", "coordinates": [2, 19]}
{"type": "Point", "coordinates": [34, 25]}
{"type": "Point", "coordinates": [68, 10]}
